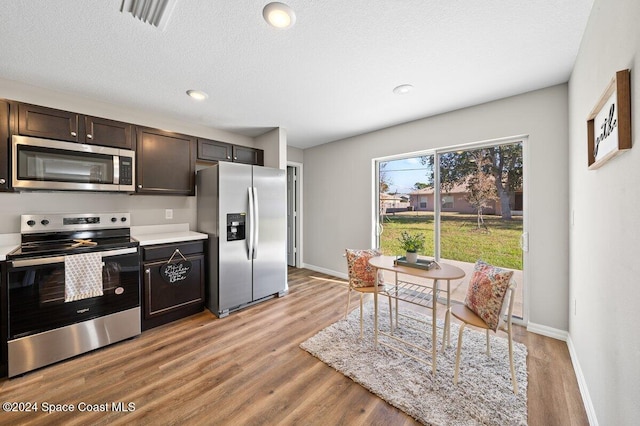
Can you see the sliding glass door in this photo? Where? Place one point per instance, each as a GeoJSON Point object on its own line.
{"type": "Point", "coordinates": [468, 202]}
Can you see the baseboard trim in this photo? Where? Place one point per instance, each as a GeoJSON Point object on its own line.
{"type": "Point", "coordinates": [325, 271]}
{"type": "Point", "coordinates": [582, 384]}
{"type": "Point", "coordinates": [544, 330]}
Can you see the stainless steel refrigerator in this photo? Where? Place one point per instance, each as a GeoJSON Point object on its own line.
{"type": "Point", "coordinates": [243, 209]}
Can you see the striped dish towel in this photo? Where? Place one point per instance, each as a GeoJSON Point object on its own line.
{"type": "Point", "coordinates": [82, 276]}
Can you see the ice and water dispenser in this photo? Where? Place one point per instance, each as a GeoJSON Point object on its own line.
{"type": "Point", "coordinates": [236, 226]}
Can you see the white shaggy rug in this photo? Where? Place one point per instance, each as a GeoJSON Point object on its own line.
{"type": "Point", "coordinates": [483, 396]}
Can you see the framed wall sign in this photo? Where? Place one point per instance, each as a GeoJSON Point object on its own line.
{"type": "Point", "coordinates": [609, 124]}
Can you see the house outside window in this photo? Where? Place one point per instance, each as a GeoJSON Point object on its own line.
{"type": "Point", "coordinates": [423, 202]}
{"type": "Point", "coordinates": [447, 201]}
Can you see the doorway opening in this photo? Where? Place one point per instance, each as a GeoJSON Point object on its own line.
{"type": "Point", "coordinates": [294, 214]}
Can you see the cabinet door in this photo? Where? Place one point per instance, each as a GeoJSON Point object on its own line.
{"type": "Point", "coordinates": [48, 123]}
{"type": "Point", "coordinates": [166, 162]}
{"type": "Point", "coordinates": [3, 321]}
{"type": "Point", "coordinates": [162, 297]}
{"type": "Point", "coordinates": [4, 145]}
{"type": "Point", "coordinates": [242, 154]}
{"type": "Point", "coordinates": [214, 150]}
{"type": "Point", "coordinates": [100, 131]}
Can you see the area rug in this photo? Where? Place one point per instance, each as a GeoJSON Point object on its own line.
{"type": "Point", "coordinates": [483, 396]}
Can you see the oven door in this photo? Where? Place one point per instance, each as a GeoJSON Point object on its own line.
{"type": "Point", "coordinates": [36, 290]}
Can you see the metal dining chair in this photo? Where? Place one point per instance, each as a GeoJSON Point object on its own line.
{"type": "Point", "coordinates": [488, 305]}
{"type": "Point", "coordinates": [364, 278]}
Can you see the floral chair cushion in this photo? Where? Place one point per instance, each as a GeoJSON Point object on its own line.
{"type": "Point", "coordinates": [487, 288]}
{"type": "Point", "coordinates": [361, 273]}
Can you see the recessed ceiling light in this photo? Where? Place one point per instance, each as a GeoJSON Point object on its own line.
{"type": "Point", "coordinates": [279, 15]}
{"type": "Point", "coordinates": [197, 95]}
{"type": "Point", "coordinates": [403, 89]}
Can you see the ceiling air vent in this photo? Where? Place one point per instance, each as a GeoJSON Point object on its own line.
{"type": "Point", "coordinates": [154, 12]}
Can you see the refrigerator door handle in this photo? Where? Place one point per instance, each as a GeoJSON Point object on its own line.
{"type": "Point", "coordinates": [255, 222]}
{"type": "Point", "coordinates": [251, 219]}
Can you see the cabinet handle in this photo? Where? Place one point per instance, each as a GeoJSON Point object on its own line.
{"type": "Point", "coordinates": [89, 136]}
{"type": "Point", "coordinates": [235, 158]}
{"type": "Point", "coordinates": [74, 134]}
{"type": "Point", "coordinates": [139, 186]}
{"type": "Point", "coordinates": [148, 273]}
{"type": "Point", "coordinates": [2, 181]}
{"type": "Point", "coordinates": [228, 157]}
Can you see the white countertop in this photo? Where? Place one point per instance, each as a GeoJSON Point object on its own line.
{"type": "Point", "coordinates": [8, 242]}
{"type": "Point", "coordinates": [163, 234]}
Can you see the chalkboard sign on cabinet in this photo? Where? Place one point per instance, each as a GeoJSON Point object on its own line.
{"type": "Point", "coordinates": [175, 272]}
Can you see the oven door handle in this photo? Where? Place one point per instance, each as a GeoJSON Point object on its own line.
{"type": "Point", "coordinates": [119, 251]}
{"type": "Point", "coordinates": [21, 263]}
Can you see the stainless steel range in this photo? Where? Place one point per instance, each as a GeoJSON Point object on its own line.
{"type": "Point", "coordinates": [73, 286]}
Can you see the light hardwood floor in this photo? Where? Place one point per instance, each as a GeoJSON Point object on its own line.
{"type": "Point", "coordinates": [248, 369]}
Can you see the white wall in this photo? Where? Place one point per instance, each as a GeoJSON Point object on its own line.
{"type": "Point", "coordinates": [295, 154]}
{"type": "Point", "coordinates": [338, 182]}
{"type": "Point", "coordinates": [274, 144]}
{"type": "Point", "coordinates": [605, 237]}
{"type": "Point", "coordinates": [145, 209]}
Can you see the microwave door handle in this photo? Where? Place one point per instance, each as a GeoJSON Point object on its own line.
{"type": "Point", "coordinates": [116, 170]}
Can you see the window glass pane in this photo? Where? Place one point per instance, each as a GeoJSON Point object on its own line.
{"type": "Point", "coordinates": [406, 203]}
{"type": "Point", "coordinates": [481, 214]}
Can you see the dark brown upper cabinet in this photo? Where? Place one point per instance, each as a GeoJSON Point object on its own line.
{"type": "Point", "coordinates": [50, 123]}
{"type": "Point", "coordinates": [210, 150]}
{"type": "Point", "coordinates": [242, 154]}
{"type": "Point", "coordinates": [166, 162]}
{"type": "Point", "coordinates": [4, 146]}
{"type": "Point", "coordinates": [100, 131]}
{"type": "Point", "coordinates": [214, 150]}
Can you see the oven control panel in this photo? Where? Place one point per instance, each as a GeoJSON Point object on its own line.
{"type": "Point", "coordinates": [73, 221]}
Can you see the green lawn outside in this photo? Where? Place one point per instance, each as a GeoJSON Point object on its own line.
{"type": "Point", "coordinates": [460, 238]}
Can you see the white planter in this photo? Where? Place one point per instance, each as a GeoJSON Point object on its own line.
{"type": "Point", "coordinates": [412, 257]}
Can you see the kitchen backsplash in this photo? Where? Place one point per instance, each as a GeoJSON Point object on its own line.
{"type": "Point", "coordinates": [145, 210]}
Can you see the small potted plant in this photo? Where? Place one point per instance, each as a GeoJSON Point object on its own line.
{"type": "Point", "coordinates": [411, 244]}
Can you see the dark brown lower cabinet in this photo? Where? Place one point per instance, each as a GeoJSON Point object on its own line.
{"type": "Point", "coordinates": [164, 301]}
{"type": "Point", "coordinates": [4, 320]}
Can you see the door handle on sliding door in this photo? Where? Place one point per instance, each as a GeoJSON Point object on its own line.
{"type": "Point", "coordinates": [524, 241]}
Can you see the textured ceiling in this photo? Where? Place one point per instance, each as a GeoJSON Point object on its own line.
{"type": "Point", "coordinates": [328, 77]}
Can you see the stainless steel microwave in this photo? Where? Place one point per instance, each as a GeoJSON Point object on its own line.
{"type": "Point", "coordinates": [55, 165]}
